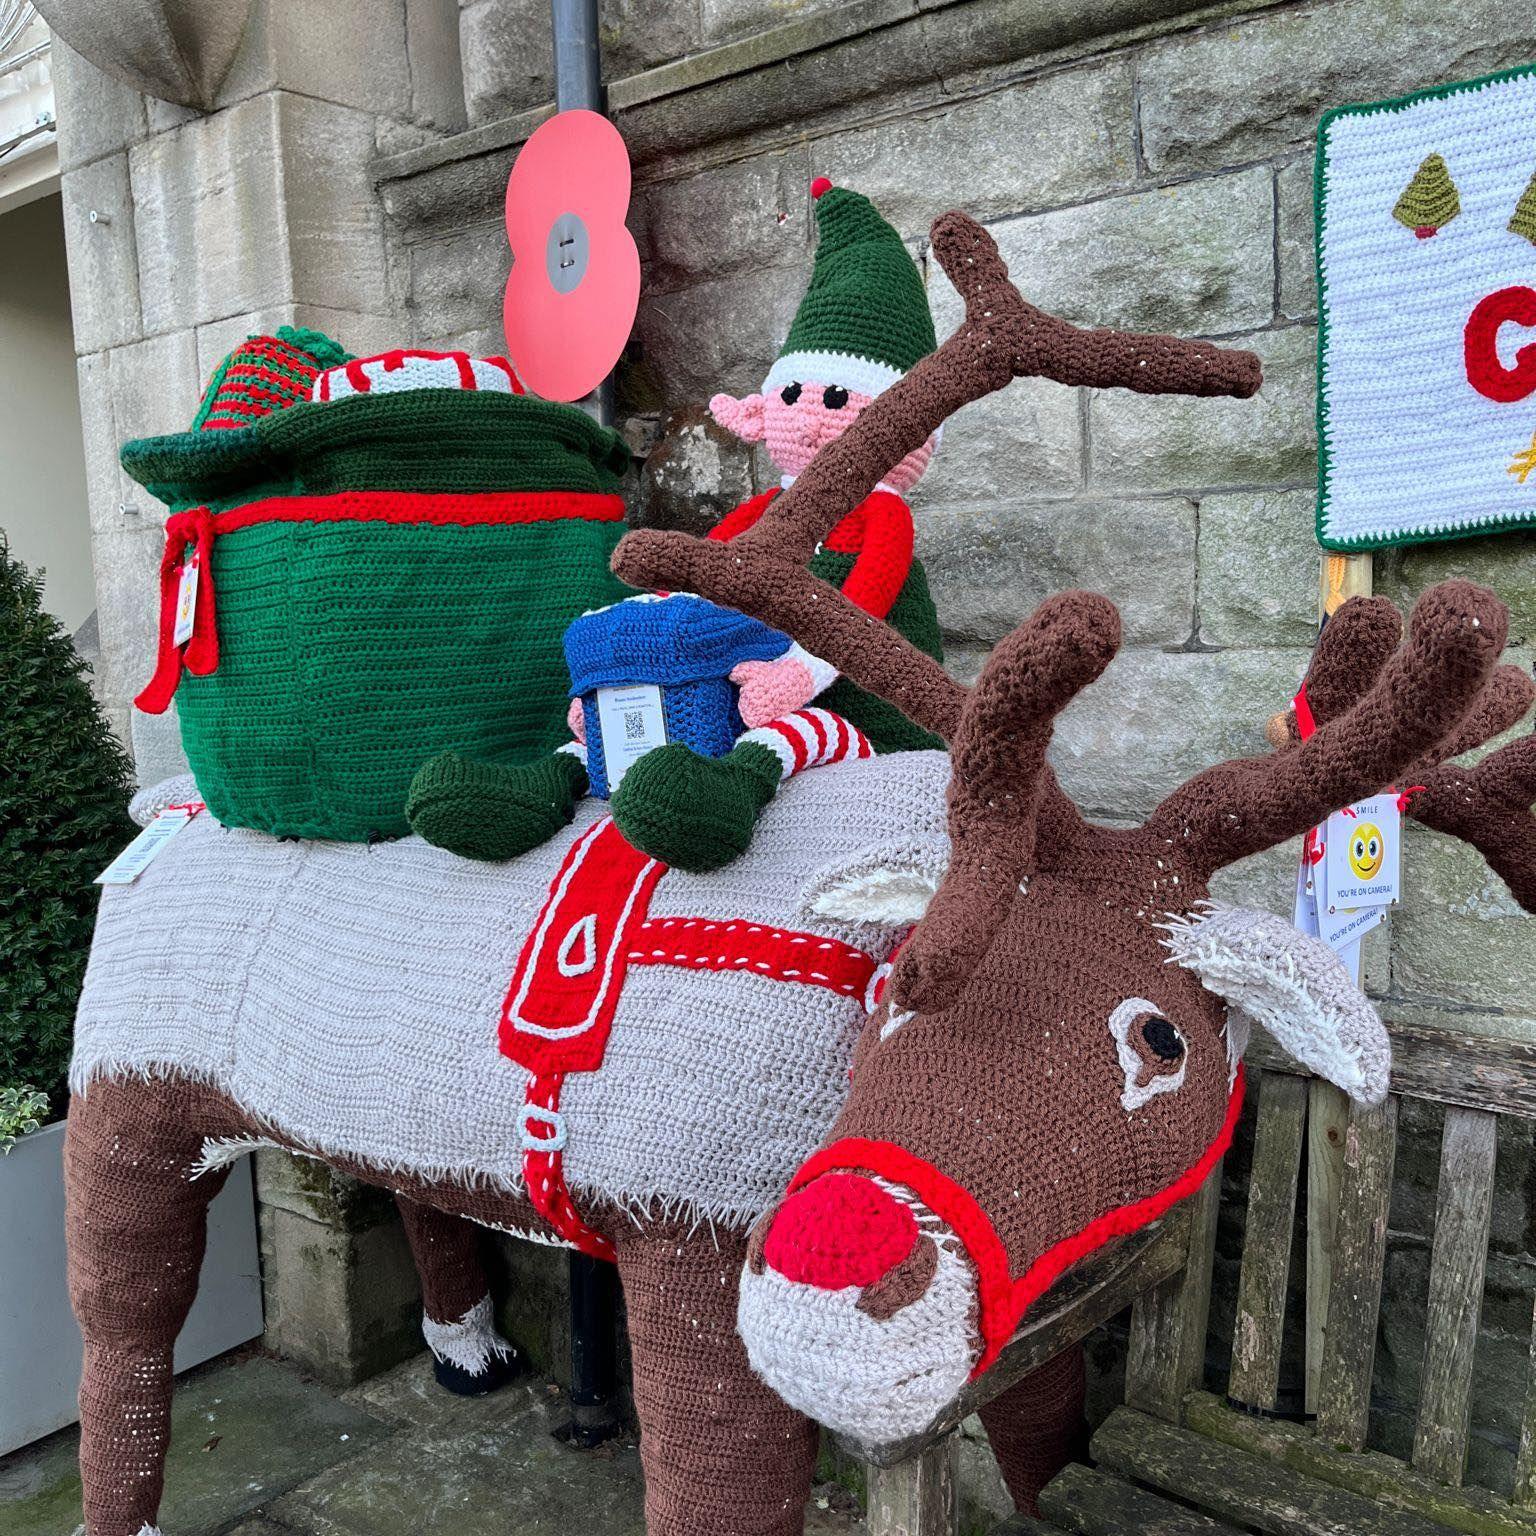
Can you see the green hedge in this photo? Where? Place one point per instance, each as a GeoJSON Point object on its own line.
{"type": "Point", "coordinates": [64, 787]}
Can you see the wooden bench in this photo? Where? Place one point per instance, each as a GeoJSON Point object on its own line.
{"type": "Point", "coordinates": [1179, 1461]}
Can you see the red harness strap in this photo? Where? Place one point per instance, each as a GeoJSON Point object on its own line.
{"type": "Point", "coordinates": [559, 1008]}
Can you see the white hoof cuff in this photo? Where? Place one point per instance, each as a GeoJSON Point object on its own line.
{"type": "Point", "coordinates": [472, 1343]}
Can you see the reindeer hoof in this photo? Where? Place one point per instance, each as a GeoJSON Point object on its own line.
{"type": "Point", "coordinates": [692, 812]}
{"type": "Point", "coordinates": [462, 1383]}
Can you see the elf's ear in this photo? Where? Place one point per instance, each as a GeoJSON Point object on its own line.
{"type": "Point", "coordinates": [742, 417]}
{"type": "Point", "coordinates": [1267, 970]}
{"type": "Point", "coordinates": [890, 885]}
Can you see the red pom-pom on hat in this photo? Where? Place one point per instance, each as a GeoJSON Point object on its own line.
{"type": "Point", "coordinates": [820, 185]}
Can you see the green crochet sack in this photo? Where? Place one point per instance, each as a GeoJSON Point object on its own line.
{"type": "Point", "coordinates": [377, 575]}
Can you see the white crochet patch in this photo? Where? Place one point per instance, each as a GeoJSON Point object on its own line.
{"type": "Point", "coordinates": [871, 1379]}
{"type": "Point", "coordinates": [1295, 986]}
{"type": "Point", "coordinates": [471, 1343]}
{"type": "Point", "coordinates": [221, 1151]}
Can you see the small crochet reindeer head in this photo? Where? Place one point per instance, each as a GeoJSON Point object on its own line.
{"type": "Point", "coordinates": [1056, 1056]}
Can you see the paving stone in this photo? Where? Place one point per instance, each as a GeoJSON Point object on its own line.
{"type": "Point", "coordinates": [990, 565]}
{"type": "Point", "coordinates": [1060, 139]}
{"type": "Point", "coordinates": [241, 1434]}
{"type": "Point", "coordinates": [1195, 259]}
{"type": "Point", "coordinates": [1234, 93]}
{"type": "Point", "coordinates": [1177, 443]}
{"type": "Point", "coordinates": [1258, 568]}
{"type": "Point", "coordinates": [1295, 239]}
{"type": "Point", "coordinates": [103, 260]}
{"type": "Point", "coordinates": [739, 217]}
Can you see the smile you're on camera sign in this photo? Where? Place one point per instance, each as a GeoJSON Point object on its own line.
{"type": "Point", "coordinates": [1427, 291]}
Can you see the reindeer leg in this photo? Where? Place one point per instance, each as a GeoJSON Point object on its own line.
{"type": "Point", "coordinates": [721, 1452]}
{"type": "Point", "coordinates": [1036, 1427]}
{"type": "Point", "coordinates": [135, 1222]}
{"type": "Point", "coordinates": [469, 1356]}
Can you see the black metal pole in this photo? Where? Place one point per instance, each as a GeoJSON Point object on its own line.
{"type": "Point", "coordinates": [594, 1284]}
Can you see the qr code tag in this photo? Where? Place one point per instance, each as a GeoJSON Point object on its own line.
{"type": "Point", "coordinates": [633, 721]}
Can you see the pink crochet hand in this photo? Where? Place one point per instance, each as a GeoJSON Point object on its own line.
{"type": "Point", "coordinates": [576, 718]}
{"type": "Point", "coordinates": [772, 689]}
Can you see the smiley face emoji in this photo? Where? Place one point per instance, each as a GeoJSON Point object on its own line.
{"type": "Point", "coordinates": [1367, 848]}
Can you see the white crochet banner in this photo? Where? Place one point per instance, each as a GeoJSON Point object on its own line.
{"type": "Point", "coordinates": [1426, 237]}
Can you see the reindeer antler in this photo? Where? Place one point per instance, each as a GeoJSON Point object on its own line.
{"type": "Point", "coordinates": [1003, 337]}
{"type": "Point", "coordinates": [1415, 701]}
{"type": "Point", "coordinates": [1488, 805]}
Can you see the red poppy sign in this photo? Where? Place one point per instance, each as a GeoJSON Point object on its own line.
{"type": "Point", "coordinates": [575, 282]}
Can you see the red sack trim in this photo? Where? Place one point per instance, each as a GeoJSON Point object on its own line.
{"type": "Point", "coordinates": [1002, 1299]}
{"type": "Point", "coordinates": [781, 954]}
{"type": "Point", "coordinates": [438, 509]}
{"type": "Point", "coordinates": [544, 1167]}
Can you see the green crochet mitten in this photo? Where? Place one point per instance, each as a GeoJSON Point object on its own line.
{"type": "Point", "coordinates": [494, 811]}
{"type": "Point", "coordinates": [695, 813]}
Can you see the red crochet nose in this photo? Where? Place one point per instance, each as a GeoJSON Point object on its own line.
{"type": "Point", "coordinates": [840, 1230]}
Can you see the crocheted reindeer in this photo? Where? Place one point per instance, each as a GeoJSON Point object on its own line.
{"type": "Point", "coordinates": [1052, 1063]}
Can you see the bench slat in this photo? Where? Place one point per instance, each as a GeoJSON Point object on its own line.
{"type": "Point", "coordinates": [1359, 1258]}
{"type": "Point", "coordinates": [1092, 1503]}
{"type": "Point", "coordinates": [1260, 1323]}
{"type": "Point", "coordinates": [1463, 1209]}
{"type": "Point", "coordinates": [1525, 1462]}
{"type": "Point", "coordinates": [916, 1497]}
{"type": "Point", "coordinates": [1327, 1129]}
{"type": "Point", "coordinates": [1232, 1485]}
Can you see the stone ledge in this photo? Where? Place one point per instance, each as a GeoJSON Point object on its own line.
{"type": "Point", "coordinates": [791, 72]}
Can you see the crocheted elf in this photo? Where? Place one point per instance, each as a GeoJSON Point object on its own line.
{"type": "Point", "coordinates": [864, 322]}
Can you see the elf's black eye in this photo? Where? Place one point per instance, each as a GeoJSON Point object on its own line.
{"type": "Point", "coordinates": [834, 398]}
{"type": "Point", "coordinates": [789, 394]}
{"type": "Point", "coordinates": [1162, 1038]}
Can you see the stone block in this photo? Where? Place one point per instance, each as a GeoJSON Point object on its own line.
{"type": "Point", "coordinates": [1024, 441]}
{"type": "Point", "coordinates": [991, 564]}
{"type": "Point", "coordinates": [640, 34]}
{"type": "Point", "coordinates": [435, 64]}
{"type": "Point", "coordinates": [1460, 939]}
{"type": "Point", "coordinates": [734, 218]}
{"type": "Point", "coordinates": [342, 1305]}
{"type": "Point", "coordinates": [508, 55]}
{"type": "Point", "coordinates": [711, 337]}
{"type": "Point", "coordinates": [725, 20]}
{"type": "Point", "coordinates": [105, 483]}
{"type": "Point", "coordinates": [155, 741]}
{"type": "Point", "coordinates": [127, 562]}
{"type": "Point", "coordinates": [1179, 443]}
{"type": "Point", "coordinates": [696, 473]}
{"type": "Point", "coordinates": [1234, 93]}
{"type": "Point", "coordinates": [210, 217]}
{"type": "Point", "coordinates": [1258, 568]}
{"type": "Point", "coordinates": [456, 284]}
{"type": "Point", "coordinates": [1157, 717]}
{"type": "Point", "coordinates": [1195, 259]}
{"type": "Point", "coordinates": [359, 334]}
{"type": "Point", "coordinates": [1500, 560]}
{"type": "Point", "coordinates": [97, 114]}
{"type": "Point", "coordinates": [311, 1189]}
{"type": "Point", "coordinates": [103, 259]}
{"type": "Point", "coordinates": [1059, 139]}
{"type": "Point", "coordinates": [532, 1286]}
{"type": "Point", "coordinates": [1295, 243]}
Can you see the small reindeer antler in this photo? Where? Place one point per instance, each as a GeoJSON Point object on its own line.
{"type": "Point", "coordinates": [1003, 337]}
{"type": "Point", "coordinates": [1489, 805]}
{"type": "Point", "coordinates": [1419, 698]}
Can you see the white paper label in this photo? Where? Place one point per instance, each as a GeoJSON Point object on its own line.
{"type": "Point", "coordinates": [1360, 867]}
{"type": "Point", "coordinates": [1304, 910]}
{"type": "Point", "coordinates": [135, 858]}
{"type": "Point", "coordinates": [632, 722]}
{"type": "Point", "coordinates": [1348, 925]}
{"type": "Point", "coordinates": [186, 602]}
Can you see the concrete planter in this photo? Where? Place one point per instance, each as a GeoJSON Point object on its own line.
{"type": "Point", "coordinates": [39, 1342]}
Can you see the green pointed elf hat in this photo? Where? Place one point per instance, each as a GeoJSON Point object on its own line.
{"type": "Point", "coordinates": [864, 320]}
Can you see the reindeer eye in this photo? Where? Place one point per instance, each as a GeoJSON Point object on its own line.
{"type": "Point", "coordinates": [1151, 1051]}
{"type": "Point", "coordinates": [1166, 1043]}
{"type": "Point", "coordinates": [789, 394]}
{"type": "Point", "coordinates": [834, 398]}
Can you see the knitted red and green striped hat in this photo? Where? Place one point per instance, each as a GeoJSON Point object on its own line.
{"type": "Point", "coordinates": [265, 374]}
{"type": "Point", "coordinates": [864, 320]}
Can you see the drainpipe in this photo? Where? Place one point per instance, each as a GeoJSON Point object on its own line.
{"type": "Point", "coordinates": [594, 1284]}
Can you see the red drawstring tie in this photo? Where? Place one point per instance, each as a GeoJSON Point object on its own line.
{"type": "Point", "coordinates": [201, 653]}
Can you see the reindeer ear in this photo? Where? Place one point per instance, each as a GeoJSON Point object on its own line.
{"type": "Point", "coordinates": [1295, 986]}
{"type": "Point", "coordinates": [889, 885]}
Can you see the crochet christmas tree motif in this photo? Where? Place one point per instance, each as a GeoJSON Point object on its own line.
{"type": "Point", "coordinates": [386, 555]}
{"type": "Point", "coordinates": [1430, 201]}
{"type": "Point", "coordinates": [1523, 221]}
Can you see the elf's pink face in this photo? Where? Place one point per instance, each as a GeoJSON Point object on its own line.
{"type": "Point", "coordinates": [798, 420]}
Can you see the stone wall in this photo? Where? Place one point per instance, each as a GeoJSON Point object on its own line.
{"type": "Point", "coordinates": [1141, 162]}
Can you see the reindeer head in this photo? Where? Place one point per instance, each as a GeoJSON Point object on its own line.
{"type": "Point", "coordinates": [1053, 1062]}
